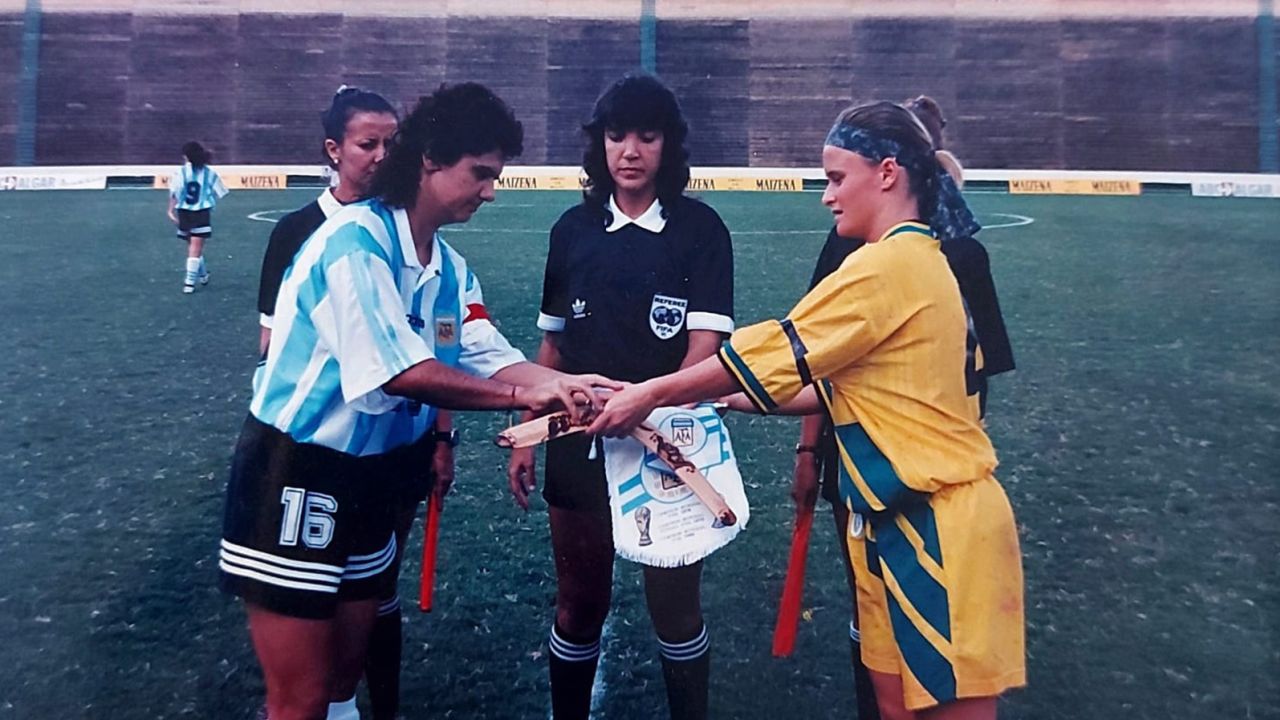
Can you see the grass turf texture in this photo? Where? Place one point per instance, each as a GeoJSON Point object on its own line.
{"type": "Point", "coordinates": [1138, 441]}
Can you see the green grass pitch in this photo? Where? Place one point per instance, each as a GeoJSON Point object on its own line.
{"type": "Point", "coordinates": [1138, 442]}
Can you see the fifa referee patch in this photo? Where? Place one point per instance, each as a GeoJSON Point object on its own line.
{"type": "Point", "coordinates": [666, 316]}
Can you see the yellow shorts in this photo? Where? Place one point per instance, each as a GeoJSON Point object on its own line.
{"type": "Point", "coordinates": [939, 591]}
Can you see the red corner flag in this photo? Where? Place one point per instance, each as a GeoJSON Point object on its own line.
{"type": "Point", "coordinates": [432, 532]}
{"type": "Point", "coordinates": [784, 633]}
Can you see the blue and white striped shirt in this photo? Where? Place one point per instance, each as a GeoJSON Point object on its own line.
{"type": "Point", "coordinates": [357, 308]}
{"type": "Point", "coordinates": [196, 189]}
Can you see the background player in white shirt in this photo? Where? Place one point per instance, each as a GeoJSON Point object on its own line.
{"type": "Point", "coordinates": [193, 191]}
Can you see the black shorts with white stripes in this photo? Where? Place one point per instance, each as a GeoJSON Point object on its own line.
{"type": "Point", "coordinates": [305, 526]}
{"type": "Point", "coordinates": [195, 222]}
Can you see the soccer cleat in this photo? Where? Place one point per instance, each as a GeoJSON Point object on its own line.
{"type": "Point", "coordinates": [204, 279]}
{"type": "Point", "coordinates": [188, 288]}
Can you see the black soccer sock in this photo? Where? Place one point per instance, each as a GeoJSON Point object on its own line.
{"type": "Point", "coordinates": [573, 673]}
{"type": "Point", "coordinates": [686, 667]}
{"type": "Point", "coordinates": [382, 664]}
{"type": "Point", "coordinates": [866, 693]}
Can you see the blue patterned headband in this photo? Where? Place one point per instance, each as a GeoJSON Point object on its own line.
{"type": "Point", "coordinates": [951, 218]}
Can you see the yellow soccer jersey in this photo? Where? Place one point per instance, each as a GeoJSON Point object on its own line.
{"type": "Point", "coordinates": [886, 341]}
{"type": "Point", "coordinates": [888, 335]}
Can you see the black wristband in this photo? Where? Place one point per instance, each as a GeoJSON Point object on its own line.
{"type": "Point", "coordinates": [448, 437]}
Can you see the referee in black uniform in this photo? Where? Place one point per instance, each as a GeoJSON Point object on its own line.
{"type": "Point", "coordinates": [639, 283]}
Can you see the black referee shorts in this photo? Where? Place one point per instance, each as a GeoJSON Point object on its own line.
{"type": "Point", "coordinates": [572, 481]}
{"type": "Point", "coordinates": [195, 223]}
{"type": "Point", "coordinates": [305, 526]}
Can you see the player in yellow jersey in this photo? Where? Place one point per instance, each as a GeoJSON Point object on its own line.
{"type": "Point", "coordinates": [884, 346]}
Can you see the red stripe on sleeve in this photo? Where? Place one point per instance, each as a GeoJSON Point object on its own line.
{"type": "Point", "coordinates": [475, 311]}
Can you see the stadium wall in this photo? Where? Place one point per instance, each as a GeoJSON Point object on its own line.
{"type": "Point", "coordinates": [1167, 86]}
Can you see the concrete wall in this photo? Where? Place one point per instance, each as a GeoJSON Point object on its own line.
{"type": "Point", "coordinates": [125, 83]}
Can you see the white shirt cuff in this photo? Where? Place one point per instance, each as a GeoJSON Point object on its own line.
{"type": "Point", "coordinates": [550, 323]}
{"type": "Point", "coordinates": [709, 321]}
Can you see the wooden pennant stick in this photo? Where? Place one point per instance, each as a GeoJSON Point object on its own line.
{"type": "Point", "coordinates": [538, 431]}
{"type": "Point", "coordinates": [686, 471]}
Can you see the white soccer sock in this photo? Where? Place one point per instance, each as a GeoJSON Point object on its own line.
{"type": "Point", "coordinates": [345, 710]}
{"type": "Point", "coordinates": [193, 270]}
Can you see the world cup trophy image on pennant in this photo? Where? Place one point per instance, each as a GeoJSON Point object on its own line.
{"type": "Point", "coordinates": [674, 489]}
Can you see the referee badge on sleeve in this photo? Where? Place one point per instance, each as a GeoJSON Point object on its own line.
{"type": "Point", "coordinates": [666, 316]}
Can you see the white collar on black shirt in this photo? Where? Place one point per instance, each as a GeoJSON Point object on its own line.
{"type": "Point", "coordinates": [651, 219]}
{"type": "Point", "coordinates": [329, 204]}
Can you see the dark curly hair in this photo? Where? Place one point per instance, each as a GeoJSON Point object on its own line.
{"type": "Point", "coordinates": [897, 123]}
{"type": "Point", "coordinates": [348, 101]}
{"type": "Point", "coordinates": [196, 154]}
{"type": "Point", "coordinates": [453, 121]}
{"type": "Point", "coordinates": [638, 102]}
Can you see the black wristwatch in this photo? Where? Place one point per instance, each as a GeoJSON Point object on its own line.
{"type": "Point", "coordinates": [448, 437]}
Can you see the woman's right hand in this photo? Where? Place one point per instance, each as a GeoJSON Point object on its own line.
{"type": "Point", "coordinates": [573, 393]}
{"type": "Point", "coordinates": [522, 477]}
{"type": "Point", "coordinates": [804, 480]}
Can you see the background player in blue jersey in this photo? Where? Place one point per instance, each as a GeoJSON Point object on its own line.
{"type": "Point", "coordinates": [377, 323]}
{"type": "Point", "coordinates": [817, 467]}
{"type": "Point", "coordinates": [358, 129]}
{"type": "Point", "coordinates": [193, 191]}
{"type": "Point", "coordinates": [639, 283]}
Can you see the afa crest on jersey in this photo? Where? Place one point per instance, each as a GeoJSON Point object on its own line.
{"type": "Point", "coordinates": [666, 316]}
{"type": "Point", "coordinates": [446, 331]}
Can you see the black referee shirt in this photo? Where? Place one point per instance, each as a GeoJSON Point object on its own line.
{"type": "Point", "coordinates": [626, 300]}
{"type": "Point", "coordinates": [286, 239]}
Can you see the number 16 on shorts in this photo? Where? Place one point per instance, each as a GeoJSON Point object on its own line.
{"type": "Point", "coordinates": [309, 515]}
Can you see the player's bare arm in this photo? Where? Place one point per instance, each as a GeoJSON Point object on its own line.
{"type": "Point", "coordinates": [519, 386]}
{"type": "Point", "coordinates": [804, 478]}
{"type": "Point", "coordinates": [804, 403]}
{"type": "Point", "coordinates": [522, 476]}
{"type": "Point", "coordinates": [702, 345]}
{"type": "Point", "coordinates": [628, 408]}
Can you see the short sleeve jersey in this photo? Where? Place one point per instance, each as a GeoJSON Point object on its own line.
{"type": "Point", "coordinates": [972, 269]}
{"type": "Point", "coordinates": [624, 294]}
{"type": "Point", "coordinates": [196, 188]}
{"type": "Point", "coordinates": [356, 309]}
{"type": "Point", "coordinates": [286, 238]}
{"type": "Point", "coordinates": [886, 341]}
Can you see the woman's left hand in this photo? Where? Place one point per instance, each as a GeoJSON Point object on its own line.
{"type": "Point", "coordinates": [623, 412]}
